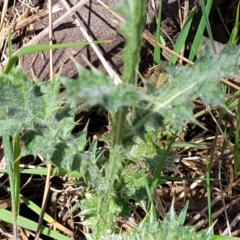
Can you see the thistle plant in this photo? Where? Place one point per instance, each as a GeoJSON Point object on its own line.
{"type": "Point", "coordinates": [35, 114]}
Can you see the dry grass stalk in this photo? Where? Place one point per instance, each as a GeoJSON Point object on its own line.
{"type": "Point", "coordinates": [108, 68]}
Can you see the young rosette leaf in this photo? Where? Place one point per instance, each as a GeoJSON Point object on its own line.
{"type": "Point", "coordinates": [23, 103]}
{"type": "Point", "coordinates": [95, 88]}
{"type": "Point", "coordinates": [52, 139]}
{"type": "Point", "coordinates": [170, 228]}
{"type": "Point", "coordinates": [55, 144]}
{"type": "Point", "coordinates": [200, 81]}
{"type": "Point", "coordinates": [34, 111]}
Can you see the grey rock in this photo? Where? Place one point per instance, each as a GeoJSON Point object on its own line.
{"type": "Point", "coordinates": [100, 24]}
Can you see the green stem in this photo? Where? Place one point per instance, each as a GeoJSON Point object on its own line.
{"type": "Point", "coordinates": [134, 16]}
{"type": "Point", "coordinates": [11, 153]}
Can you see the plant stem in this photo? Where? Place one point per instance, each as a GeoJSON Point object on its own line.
{"type": "Point", "coordinates": [11, 153]}
{"type": "Point", "coordinates": [135, 15]}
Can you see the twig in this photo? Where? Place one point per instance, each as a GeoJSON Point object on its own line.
{"type": "Point", "coordinates": [113, 13]}
{"type": "Point", "coordinates": [35, 17]}
{"type": "Point", "coordinates": [150, 38]}
{"type": "Point", "coordinates": [192, 186]}
{"type": "Point", "coordinates": [44, 203]}
{"type": "Point", "coordinates": [198, 215]}
{"type": "Point", "coordinates": [109, 70]}
{"type": "Point", "coordinates": [233, 224]}
{"type": "Point", "coordinates": [217, 213]}
{"type": "Point", "coordinates": [50, 39]}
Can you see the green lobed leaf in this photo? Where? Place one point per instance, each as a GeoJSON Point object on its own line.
{"type": "Point", "coordinates": [200, 81]}
{"type": "Point", "coordinates": [34, 110]}
{"type": "Point", "coordinates": [133, 184]}
{"type": "Point", "coordinates": [67, 152]}
{"type": "Point", "coordinates": [97, 89]}
{"type": "Point", "coordinates": [24, 103]}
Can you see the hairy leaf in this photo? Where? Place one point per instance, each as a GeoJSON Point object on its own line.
{"type": "Point", "coordinates": [200, 81]}
{"type": "Point", "coordinates": [25, 104]}
{"type": "Point", "coordinates": [34, 110]}
{"type": "Point", "coordinates": [97, 89]}
{"type": "Point", "coordinates": [170, 228]}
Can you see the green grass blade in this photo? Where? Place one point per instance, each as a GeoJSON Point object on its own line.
{"type": "Point", "coordinates": [75, 174]}
{"type": "Point", "coordinates": [6, 216]}
{"type": "Point", "coordinates": [157, 50]}
{"type": "Point", "coordinates": [34, 207]}
{"type": "Point", "coordinates": [149, 194]}
{"type": "Point", "coordinates": [209, 193]}
{"type": "Point", "coordinates": [205, 15]}
{"type": "Point", "coordinates": [182, 36]}
{"type": "Point", "coordinates": [9, 157]}
{"type": "Point", "coordinates": [160, 166]}
{"type": "Point", "coordinates": [40, 48]}
{"type": "Point", "coordinates": [182, 215]}
{"type": "Point", "coordinates": [236, 146]}
{"type": "Point", "coordinates": [218, 237]}
{"type": "Point", "coordinates": [234, 34]}
{"type": "Point", "coordinates": [12, 153]}
{"type": "Point", "coordinates": [9, 45]}
{"type": "Point", "coordinates": [16, 172]}
{"type": "Point", "coordinates": [198, 37]}
{"type": "Point", "coordinates": [43, 171]}
{"type": "Point", "coordinates": [190, 145]}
